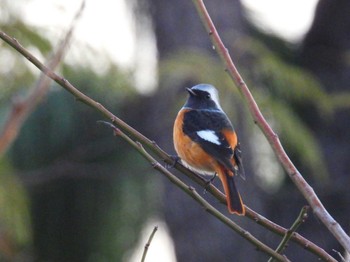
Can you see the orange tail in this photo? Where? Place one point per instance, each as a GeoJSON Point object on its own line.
{"type": "Point", "coordinates": [233, 198]}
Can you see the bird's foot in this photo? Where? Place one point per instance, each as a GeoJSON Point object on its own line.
{"type": "Point", "coordinates": [208, 183]}
{"type": "Point", "coordinates": [175, 159]}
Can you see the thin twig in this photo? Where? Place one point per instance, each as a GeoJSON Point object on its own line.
{"type": "Point", "coordinates": [300, 219]}
{"type": "Point", "coordinates": [193, 193]}
{"type": "Point", "coordinates": [22, 108]}
{"type": "Point", "coordinates": [259, 219]}
{"type": "Point", "coordinates": [342, 258]}
{"type": "Point", "coordinates": [148, 243]}
{"type": "Point", "coordinates": [307, 191]}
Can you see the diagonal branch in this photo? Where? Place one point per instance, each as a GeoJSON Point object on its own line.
{"type": "Point", "coordinates": [307, 191]}
{"type": "Point", "coordinates": [259, 219]}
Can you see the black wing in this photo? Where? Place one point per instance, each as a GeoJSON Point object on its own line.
{"type": "Point", "coordinates": [215, 121]}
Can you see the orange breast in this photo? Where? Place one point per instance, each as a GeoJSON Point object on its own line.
{"type": "Point", "coordinates": [189, 151]}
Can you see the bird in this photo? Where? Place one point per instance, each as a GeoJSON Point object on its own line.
{"type": "Point", "coordinates": [206, 142]}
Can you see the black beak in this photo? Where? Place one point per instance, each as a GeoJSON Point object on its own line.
{"type": "Point", "coordinates": [191, 92]}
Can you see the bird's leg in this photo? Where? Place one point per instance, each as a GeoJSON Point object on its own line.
{"type": "Point", "coordinates": [175, 159]}
{"type": "Point", "coordinates": [208, 182]}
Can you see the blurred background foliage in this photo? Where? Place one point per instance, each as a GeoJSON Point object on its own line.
{"type": "Point", "coordinates": [70, 191]}
{"type": "Point", "coordinates": [78, 176]}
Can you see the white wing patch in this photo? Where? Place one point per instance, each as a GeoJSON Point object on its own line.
{"type": "Point", "coordinates": [210, 136]}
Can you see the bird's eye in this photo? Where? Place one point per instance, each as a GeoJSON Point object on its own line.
{"type": "Point", "coordinates": [207, 96]}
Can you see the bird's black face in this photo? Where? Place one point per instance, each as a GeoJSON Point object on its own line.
{"type": "Point", "coordinates": [201, 99]}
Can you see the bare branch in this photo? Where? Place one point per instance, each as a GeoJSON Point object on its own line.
{"type": "Point", "coordinates": [342, 258]}
{"type": "Point", "coordinates": [148, 243]}
{"type": "Point", "coordinates": [300, 219]}
{"type": "Point", "coordinates": [297, 238]}
{"type": "Point", "coordinates": [307, 191]}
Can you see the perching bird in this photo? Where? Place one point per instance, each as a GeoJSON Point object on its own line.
{"type": "Point", "coordinates": [206, 142]}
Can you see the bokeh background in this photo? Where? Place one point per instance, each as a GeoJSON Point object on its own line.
{"type": "Point", "coordinates": [70, 191]}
